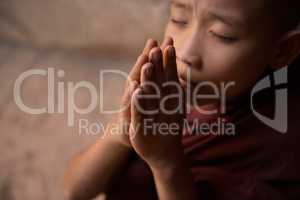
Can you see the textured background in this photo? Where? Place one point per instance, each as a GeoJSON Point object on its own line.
{"type": "Point", "coordinates": [106, 25]}
{"type": "Point", "coordinates": [80, 37]}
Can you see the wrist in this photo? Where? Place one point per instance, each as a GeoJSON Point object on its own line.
{"type": "Point", "coordinates": [175, 181]}
{"type": "Point", "coordinates": [173, 172]}
{"type": "Point", "coordinates": [117, 134]}
{"type": "Point", "coordinates": [173, 163]}
{"type": "Point", "coordinates": [122, 142]}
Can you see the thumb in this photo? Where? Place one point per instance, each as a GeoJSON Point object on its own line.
{"type": "Point", "coordinates": [136, 115]}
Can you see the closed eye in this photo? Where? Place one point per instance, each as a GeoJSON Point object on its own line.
{"type": "Point", "coordinates": [223, 38]}
{"type": "Point", "coordinates": [179, 22]}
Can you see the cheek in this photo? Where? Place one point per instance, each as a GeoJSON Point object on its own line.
{"type": "Point", "coordinates": [240, 63]}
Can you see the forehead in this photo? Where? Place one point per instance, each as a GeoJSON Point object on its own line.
{"type": "Point", "coordinates": [248, 9]}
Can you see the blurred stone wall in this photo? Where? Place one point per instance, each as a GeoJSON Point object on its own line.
{"type": "Point", "coordinates": [109, 26]}
{"type": "Point", "coordinates": [61, 34]}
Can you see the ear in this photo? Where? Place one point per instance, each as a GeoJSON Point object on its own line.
{"type": "Point", "coordinates": [288, 49]}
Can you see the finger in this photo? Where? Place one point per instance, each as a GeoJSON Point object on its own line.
{"type": "Point", "coordinates": [170, 66]}
{"type": "Point", "coordinates": [167, 41]}
{"type": "Point", "coordinates": [135, 72]}
{"type": "Point", "coordinates": [150, 44]}
{"type": "Point", "coordinates": [136, 116]}
{"type": "Point", "coordinates": [124, 115]}
{"type": "Point", "coordinates": [175, 89]}
{"type": "Point", "coordinates": [149, 89]}
{"type": "Point", "coordinates": [147, 77]}
{"type": "Point", "coordinates": [126, 100]}
{"type": "Point", "coordinates": [156, 58]}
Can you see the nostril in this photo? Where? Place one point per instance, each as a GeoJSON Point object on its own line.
{"type": "Point", "coordinates": [191, 61]}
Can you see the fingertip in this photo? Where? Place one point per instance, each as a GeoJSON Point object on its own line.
{"type": "Point", "coordinates": [155, 54]}
{"type": "Point", "coordinates": [135, 72]}
{"type": "Point", "coordinates": [147, 72]}
{"type": "Point", "coordinates": [150, 45]}
{"type": "Point", "coordinates": [147, 68]}
{"type": "Point", "coordinates": [170, 51]}
{"type": "Point", "coordinates": [151, 42]}
{"type": "Point", "coordinates": [143, 58]}
{"type": "Point", "coordinates": [167, 41]}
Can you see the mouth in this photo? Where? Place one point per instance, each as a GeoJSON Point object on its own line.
{"type": "Point", "coordinates": [186, 73]}
{"type": "Point", "coordinates": [185, 83]}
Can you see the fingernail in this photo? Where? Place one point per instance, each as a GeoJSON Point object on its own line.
{"type": "Point", "coordinates": [171, 52]}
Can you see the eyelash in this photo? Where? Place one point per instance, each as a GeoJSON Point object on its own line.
{"type": "Point", "coordinates": [225, 39]}
{"type": "Point", "coordinates": [178, 22]}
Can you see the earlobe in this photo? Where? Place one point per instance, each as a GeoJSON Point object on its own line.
{"type": "Point", "coordinates": [288, 50]}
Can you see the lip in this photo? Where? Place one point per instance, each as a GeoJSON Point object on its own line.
{"type": "Point", "coordinates": [185, 84]}
{"type": "Point", "coordinates": [182, 82]}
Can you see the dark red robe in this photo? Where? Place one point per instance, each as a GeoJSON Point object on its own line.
{"type": "Point", "coordinates": [257, 163]}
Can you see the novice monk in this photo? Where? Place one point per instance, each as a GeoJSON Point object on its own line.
{"type": "Point", "coordinates": [218, 41]}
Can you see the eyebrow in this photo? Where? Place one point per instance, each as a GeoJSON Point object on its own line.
{"type": "Point", "coordinates": [216, 14]}
{"type": "Point", "coordinates": [180, 4]}
{"type": "Point", "coordinates": [226, 18]}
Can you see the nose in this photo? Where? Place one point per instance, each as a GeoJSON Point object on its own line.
{"type": "Point", "coordinates": [190, 50]}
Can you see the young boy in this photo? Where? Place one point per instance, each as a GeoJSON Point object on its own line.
{"type": "Point", "coordinates": [216, 41]}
